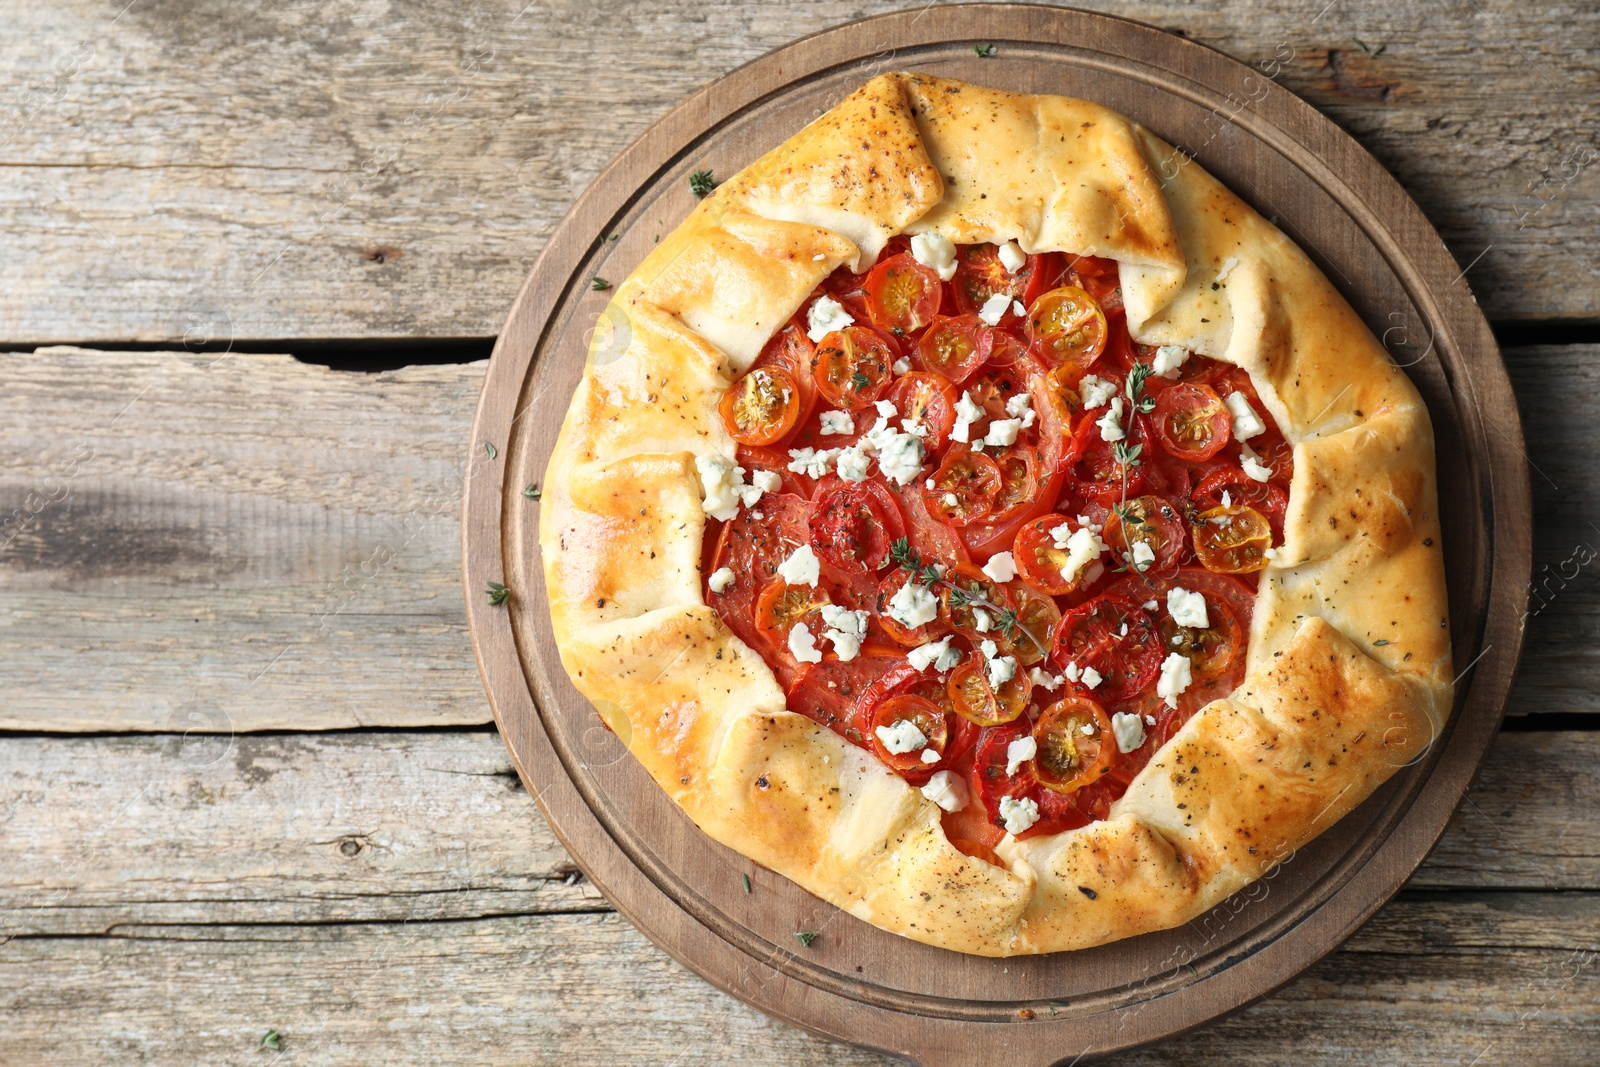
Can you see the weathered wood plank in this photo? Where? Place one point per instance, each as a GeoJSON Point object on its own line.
{"type": "Point", "coordinates": [103, 832]}
{"type": "Point", "coordinates": [235, 543]}
{"type": "Point", "coordinates": [588, 989]}
{"type": "Point", "coordinates": [307, 170]}
{"type": "Point", "coordinates": [250, 542]}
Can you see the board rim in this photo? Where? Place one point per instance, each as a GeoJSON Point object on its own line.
{"type": "Point", "coordinates": [1508, 558]}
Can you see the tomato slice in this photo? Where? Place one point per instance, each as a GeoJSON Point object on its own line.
{"type": "Point", "coordinates": [1115, 636]}
{"type": "Point", "coordinates": [965, 593]}
{"type": "Point", "coordinates": [980, 275]}
{"type": "Point", "coordinates": [854, 367]}
{"type": "Point", "coordinates": [929, 722]}
{"type": "Point", "coordinates": [1191, 421]}
{"type": "Point", "coordinates": [761, 407]}
{"type": "Point", "coordinates": [989, 778]}
{"type": "Point", "coordinates": [752, 548]}
{"type": "Point", "coordinates": [977, 701]}
{"type": "Point", "coordinates": [888, 588]}
{"type": "Point", "coordinates": [828, 692]}
{"type": "Point", "coordinates": [1092, 462]}
{"type": "Point", "coordinates": [1019, 484]}
{"type": "Point", "coordinates": [1232, 540]}
{"type": "Point", "coordinates": [781, 605]}
{"type": "Point", "coordinates": [931, 539]}
{"type": "Point", "coordinates": [791, 350]}
{"type": "Point", "coordinates": [753, 459]}
{"type": "Point", "coordinates": [928, 401]}
{"type": "Point", "coordinates": [1068, 326]}
{"type": "Point", "coordinates": [965, 488]}
{"type": "Point", "coordinates": [1151, 521]}
{"type": "Point", "coordinates": [1270, 500]}
{"type": "Point", "coordinates": [902, 295]}
{"type": "Point", "coordinates": [1213, 649]}
{"type": "Point", "coordinates": [1037, 619]}
{"type": "Point", "coordinates": [954, 346]}
{"type": "Point", "coordinates": [1075, 744]}
{"type": "Point", "coordinates": [853, 525]}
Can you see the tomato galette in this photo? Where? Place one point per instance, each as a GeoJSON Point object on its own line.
{"type": "Point", "coordinates": [985, 519]}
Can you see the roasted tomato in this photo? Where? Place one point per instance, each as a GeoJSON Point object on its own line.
{"type": "Point", "coordinates": [1232, 540]}
{"type": "Point", "coordinates": [928, 401]}
{"type": "Point", "coordinates": [1114, 637]}
{"type": "Point", "coordinates": [781, 605]}
{"type": "Point", "coordinates": [954, 347]}
{"type": "Point", "coordinates": [854, 367]}
{"type": "Point", "coordinates": [761, 407]}
{"type": "Point", "coordinates": [902, 295]}
{"type": "Point", "coordinates": [1041, 556]}
{"type": "Point", "coordinates": [1146, 534]}
{"type": "Point", "coordinates": [1074, 742]}
{"type": "Point", "coordinates": [904, 729]}
{"type": "Point", "coordinates": [964, 489]}
{"type": "Point", "coordinates": [853, 525]}
{"type": "Point", "coordinates": [977, 700]}
{"type": "Point", "coordinates": [1191, 421]}
{"type": "Point", "coordinates": [1067, 326]}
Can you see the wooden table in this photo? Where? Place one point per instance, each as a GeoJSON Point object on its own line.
{"type": "Point", "coordinates": [249, 796]}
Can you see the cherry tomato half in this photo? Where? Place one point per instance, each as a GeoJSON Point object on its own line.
{"type": "Point", "coordinates": [1232, 540]}
{"type": "Point", "coordinates": [1115, 636]}
{"type": "Point", "coordinates": [925, 715]}
{"type": "Point", "coordinates": [954, 347]}
{"type": "Point", "coordinates": [964, 488]}
{"type": "Point", "coordinates": [1151, 521]}
{"type": "Point", "coordinates": [761, 407]}
{"type": "Point", "coordinates": [927, 400]}
{"type": "Point", "coordinates": [1265, 497]}
{"type": "Point", "coordinates": [781, 605]}
{"type": "Point", "coordinates": [975, 700]}
{"type": "Point", "coordinates": [1191, 421]}
{"type": "Point", "coordinates": [1075, 744]}
{"type": "Point", "coordinates": [853, 524]}
{"type": "Point", "coordinates": [888, 588]}
{"type": "Point", "coordinates": [1037, 619]}
{"type": "Point", "coordinates": [980, 275]}
{"type": "Point", "coordinates": [1040, 560]}
{"type": "Point", "coordinates": [1092, 461]}
{"type": "Point", "coordinates": [902, 295]}
{"type": "Point", "coordinates": [854, 366]}
{"type": "Point", "coordinates": [969, 601]}
{"type": "Point", "coordinates": [1067, 325]}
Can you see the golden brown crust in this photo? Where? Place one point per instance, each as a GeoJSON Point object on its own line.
{"type": "Point", "coordinates": [1349, 660]}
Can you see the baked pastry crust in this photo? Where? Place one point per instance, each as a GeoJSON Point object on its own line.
{"type": "Point", "coordinates": [1349, 664]}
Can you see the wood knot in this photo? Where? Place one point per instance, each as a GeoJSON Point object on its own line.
{"type": "Point", "coordinates": [350, 846]}
{"type": "Point", "coordinates": [381, 254]}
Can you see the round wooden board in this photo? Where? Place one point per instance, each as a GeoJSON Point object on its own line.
{"type": "Point", "coordinates": [855, 982]}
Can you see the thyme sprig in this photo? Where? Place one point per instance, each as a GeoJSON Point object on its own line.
{"type": "Point", "coordinates": [1005, 619]}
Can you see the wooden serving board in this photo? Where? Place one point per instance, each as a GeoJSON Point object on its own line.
{"type": "Point", "coordinates": [855, 982]}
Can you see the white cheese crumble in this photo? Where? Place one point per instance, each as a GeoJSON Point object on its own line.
{"type": "Point", "coordinates": [937, 654]}
{"type": "Point", "coordinates": [846, 628]}
{"type": "Point", "coordinates": [1246, 423]}
{"type": "Point", "coordinates": [1250, 460]}
{"type": "Point", "coordinates": [1003, 432]}
{"type": "Point", "coordinates": [931, 755]}
{"type": "Point", "coordinates": [802, 645]}
{"type": "Point", "coordinates": [901, 736]}
{"type": "Point", "coordinates": [720, 579]}
{"type": "Point", "coordinates": [1012, 257]}
{"type": "Point", "coordinates": [913, 606]}
{"type": "Point", "coordinates": [1018, 310]}
{"type": "Point", "coordinates": [826, 316]}
{"type": "Point", "coordinates": [1020, 407]}
{"type": "Point", "coordinates": [1175, 678]}
{"type": "Point", "coordinates": [994, 309]}
{"type": "Point", "coordinates": [946, 790]}
{"type": "Point", "coordinates": [967, 413]}
{"type": "Point", "coordinates": [1128, 730]}
{"type": "Point", "coordinates": [1019, 752]}
{"type": "Point", "coordinates": [1169, 360]}
{"type": "Point", "coordinates": [1090, 678]}
{"type": "Point", "coordinates": [853, 463]}
{"type": "Point", "coordinates": [998, 669]}
{"type": "Point", "coordinates": [812, 463]}
{"type": "Point", "coordinates": [1187, 607]}
{"type": "Point", "coordinates": [1095, 391]}
{"type": "Point", "coordinates": [900, 457]}
{"type": "Point", "coordinates": [837, 422]}
{"type": "Point", "coordinates": [1111, 422]}
{"type": "Point", "coordinates": [766, 481]}
{"type": "Point", "coordinates": [1082, 547]}
{"type": "Point", "coordinates": [902, 366]}
{"type": "Point", "coordinates": [936, 253]}
{"type": "Point", "coordinates": [1044, 679]}
{"type": "Point", "coordinates": [1143, 555]}
{"type": "Point", "coordinates": [721, 481]}
{"type": "Point", "coordinates": [980, 620]}
{"type": "Point", "coordinates": [1019, 815]}
{"type": "Point", "coordinates": [801, 568]}
{"type": "Point", "coordinates": [1002, 567]}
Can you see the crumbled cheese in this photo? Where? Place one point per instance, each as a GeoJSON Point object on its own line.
{"type": "Point", "coordinates": [997, 668]}
{"type": "Point", "coordinates": [1018, 815]}
{"type": "Point", "coordinates": [1143, 555]}
{"type": "Point", "coordinates": [1091, 678]}
{"type": "Point", "coordinates": [1019, 752]}
{"type": "Point", "coordinates": [846, 628]}
{"type": "Point", "coordinates": [1175, 678]}
{"type": "Point", "coordinates": [1003, 432]}
{"type": "Point", "coordinates": [812, 463]}
{"type": "Point", "coordinates": [1246, 423]}
{"type": "Point", "coordinates": [902, 366]}
{"type": "Point", "coordinates": [913, 605]}
{"type": "Point", "coordinates": [1044, 679]}
{"type": "Point", "coordinates": [935, 252]}
{"type": "Point", "coordinates": [1254, 469]}
{"type": "Point", "coordinates": [1095, 391]}
{"type": "Point", "coordinates": [967, 413]}
{"type": "Point", "coordinates": [951, 500]}
{"type": "Point", "coordinates": [720, 579]}
{"type": "Point", "coordinates": [766, 481]}
{"type": "Point", "coordinates": [1187, 608]}
{"type": "Point", "coordinates": [1128, 730]}
{"type": "Point", "coordinates": [931, 755]}
{"type": "Point", "coordinates": [721, 480]}
{"type": "Point", "coordinates": [1071, 671]}
{"type": "Point", "coordinates": [994, 309]}
{"type": "Point", "coordinates": [1020, 406]}
{"type": "Point", "coordinates": [801, 568]}
{"type": "Point", "coordinates": [923, 656]}
{"type": "Point", "coordinates": [886, 409]}
{"type": "Point", "coordinates": [947, 790]}
{"type": "Point", "coordinates": [826, 316]}
{"type": "Point", "coordinates": [901, 736]}
{"type": "Point", "coordinates": [1018, 310]}
{"type": "Point", "coordinates": [1082, 547]}
{"type": "Point", "coordinates": [900, 457]}
{"type": "Point", "coordinates": [837, 422]}
{"type": "Point", "coordinates": [802, 645]}
{"type": "Point", "coordinates": [1227, 497]}
{"type": "Point", "coordinates": [853, 463]}
{"type": "Point", "coordinates": [980, 620]}
{"type": "Point", "coordinates": [1169, 360]}
{"type": "Point", "coordinates": [1227, 268]}
{"type": "Point", "coordinates": [1012, 257]}
{"type": "Point", "coordinates": [1111, 422]}
{"type": "Point", "coordinates": [1002, 567]}
{"type": "Point", "coordinates": [1149, 720]}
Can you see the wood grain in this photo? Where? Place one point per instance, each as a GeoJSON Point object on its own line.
{"type": "Point", "coordinates": [310, 170]}
{"type": "Point", "coordinates": [560, 989]}
{"type": "Point", "coordinates": [233, 543]}
{"type": "Point", "coordinates": [407, 827]}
